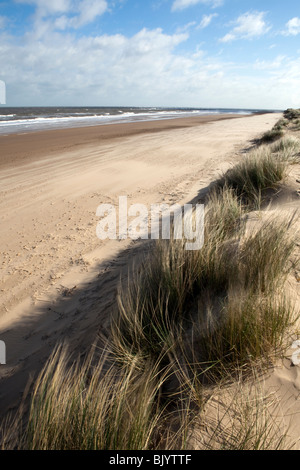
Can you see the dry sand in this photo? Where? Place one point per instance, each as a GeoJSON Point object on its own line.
{"type": "Point", "coordinates": [58, 280]}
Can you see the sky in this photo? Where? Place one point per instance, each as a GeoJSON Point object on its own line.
{"type": "Point", "coordinates": [168, 53]}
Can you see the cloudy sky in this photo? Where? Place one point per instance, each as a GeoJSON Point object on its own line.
{"type": "Point", "coordinates": [199, 53]}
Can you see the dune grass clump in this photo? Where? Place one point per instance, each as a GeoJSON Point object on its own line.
{"type": "Point", "coordinates": [296, 124]}
{"type": "Point", "coordinates": [291, 114]}
{"type": "Point", "coordinates": [287, 148]}
{"type": "Point", "coordinates": [277, 131]}
{"type": "Point", "coordinates": [251, 328]}
{"type": "Point", "coordinates": [281, 124]}
{"type": "Point", "coordinates": [154, 308]}
{"type": "Point", "coordinates": [287, 143]}
{"type": "Point", "coordinates": [249, 320]}
{"type": "Point", "coordinates": [272, 135]}
{"type": "Point", "coordinates": [224, 213]}
{"type": "Point", "coordinates": [265, 254]}
{"type": "Point", "coordinates": [213, 306]}
{"type": "Point", "coordinates": [84, 407]}
{"type": "Point", "coordinates": [256, 173]}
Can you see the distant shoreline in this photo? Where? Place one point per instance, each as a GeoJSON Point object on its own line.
{"type": "Point", "coordinates": [15, 120]}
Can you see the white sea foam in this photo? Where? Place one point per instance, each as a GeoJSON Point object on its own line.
{"type": "Point", "coordinates": [59, 118]}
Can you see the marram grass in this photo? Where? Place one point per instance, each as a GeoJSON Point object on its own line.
{"type": "Point", "coordinates": [187, 320]}
{"type": "Point", "coordinates": [254, 174]}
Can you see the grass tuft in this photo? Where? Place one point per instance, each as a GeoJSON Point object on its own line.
{"type": "Point", "coordinates": [82, 406]}
{"type": "Point", "coordinates": [256, 173]}
{"type": "Point", "coordinates": [287, 149]}
{"type": "Point", "coordinates": [272, 135]}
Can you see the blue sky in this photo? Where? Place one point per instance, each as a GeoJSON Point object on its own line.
{"type": "Point", "coordinates": [196, 53]}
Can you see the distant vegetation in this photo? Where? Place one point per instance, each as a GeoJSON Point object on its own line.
{"type": "Point", "coordinates": [190, 326]}
{"type": "Point", "coordinates": [292, 114]}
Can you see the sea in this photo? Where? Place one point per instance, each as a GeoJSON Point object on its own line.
{"type": "Point", "coordinates": [32, 119]}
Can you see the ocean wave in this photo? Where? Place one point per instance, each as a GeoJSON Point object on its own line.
{"type": "Point", "coordinates": [34, 119]}
{"type": "Point", "coordinates": [7, 115]}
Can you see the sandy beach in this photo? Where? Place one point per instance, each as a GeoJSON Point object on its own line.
{"type": "Point", "coordinates": [58, 280]}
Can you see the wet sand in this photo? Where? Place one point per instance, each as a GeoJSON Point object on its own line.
{"type": "Point", "coordinates": [17, 149]}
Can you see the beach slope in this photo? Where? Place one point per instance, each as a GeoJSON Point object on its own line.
{"type": "Point", "coordinates": [58, 280]}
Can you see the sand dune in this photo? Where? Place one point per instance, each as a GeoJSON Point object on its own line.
{"type": "Point", "coordinates": [58, 280]}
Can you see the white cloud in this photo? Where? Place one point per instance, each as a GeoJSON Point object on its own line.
{"type": "Point", "coordinates": [186, 27]}
{"type": "Point", "coordinates": [62, 22]}
{"type": "Point", "coordinates": [67, 13]}
{"type": "Point", "coordinates": [89, 10]}
{"type": "Point", "coordinates": [293, 27]}
{"type": "Point", "coordinates": [46, 7]}
{"type": "Point", "coordinates": [277, 63]}
{"type": "Point", "coordinates": [182, 4]}
{"type": "Point", "coordinates": [206, 20]}
{"type": "Point", "coordinates": [228, 37]}
{"type": "Point", "coordinates": [248, 26]}
{"type": "Point", "coordinates": [108, 69]}
{"type": "Point", "coordinates": [144, 69]}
